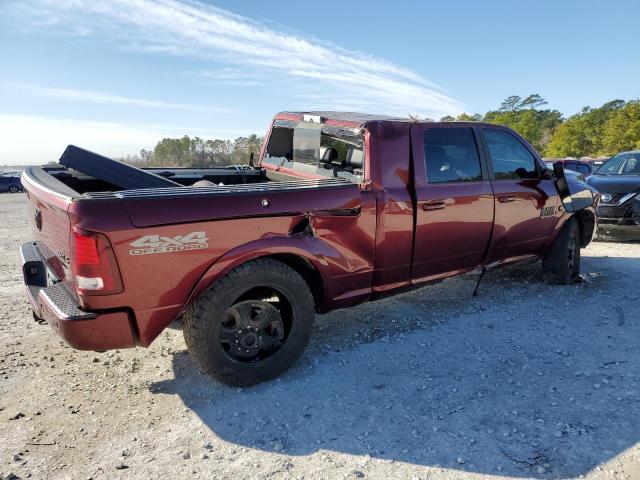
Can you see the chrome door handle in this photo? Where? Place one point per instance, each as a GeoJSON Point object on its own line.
{"type": "Point", "coordinates": [433, 205]}
{"type": "Point", "coordinates": [506, 198]}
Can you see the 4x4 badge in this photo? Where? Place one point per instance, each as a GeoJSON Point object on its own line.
{"type": "Point", "coordinates": [547, 211]}
{"type": "Point", "coordinates": [160, 244]}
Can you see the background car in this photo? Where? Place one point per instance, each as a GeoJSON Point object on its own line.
{"type": "Point", "coordinates": [598, 162]}
{"type": "Point", "coordinates": [583, 167]}
{"type": "Point", "coordinates": [618, 182]}
{"type": "Point", "coordinates": [10, 182]}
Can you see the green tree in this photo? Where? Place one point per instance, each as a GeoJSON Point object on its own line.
{"type": "Point", "coordinates": [510, 104]}
{"type": "Point", "coordinates": [244, 147]}
{"type": "Point", "coordinates": [569, 139]}
{"type": "Point", "coordinates": [198, 152]}
{"type": "Point", "coordinates": [595, 131]}
{"type": "Point", "coordinates": [534, 100]}
{"type": "Point", "coordinates": [621, 131]}
{"type": "Point", "coordinates": [221, 151]}
{"type": "Point", "coordinates": [524, 116]}
{"type": "Point", "coordinates": [465, 117]}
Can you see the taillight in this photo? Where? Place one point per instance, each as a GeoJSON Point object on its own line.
{"type": "Point", "coordinates": [94, 264]}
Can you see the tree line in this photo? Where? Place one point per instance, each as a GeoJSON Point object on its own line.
{"type": "Point", "coordinates": [593, 132]}
{"type": "Point", "coordinates": [197, 152]}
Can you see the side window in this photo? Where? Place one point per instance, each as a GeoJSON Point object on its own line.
{"type": "Point", "coordinates": [571, 166]}
{"type": "Point", "coordinates": [509, 157]}
{"type": "Point", "coordinates": [451, 155]}
{"type": "Point", "coordinates": [582, 168]}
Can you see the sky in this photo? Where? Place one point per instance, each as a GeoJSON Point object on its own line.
{"type": "Point", "coordinates": [116, 76]}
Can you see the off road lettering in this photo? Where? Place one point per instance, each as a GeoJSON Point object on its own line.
{"type": "Point", "coordinates": [547, 211]}
{"type": "Point", "coordinates": [160, 244]}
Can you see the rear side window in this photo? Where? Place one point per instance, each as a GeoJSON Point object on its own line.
{"type": "Point", "coordinates": [451, 155]}
{"type": "Point", "coordinates": [509, 157]}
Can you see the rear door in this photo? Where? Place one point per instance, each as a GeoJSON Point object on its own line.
{"type": "Point", "coordinates": [454, 213]}
{"type": "Point", "coordinates": [526, 206]}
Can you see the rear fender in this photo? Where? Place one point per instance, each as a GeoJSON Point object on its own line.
{"type": "Point", "coordinates": [322, 256]}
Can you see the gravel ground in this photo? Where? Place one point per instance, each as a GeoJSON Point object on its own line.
{"type": "Point", "coordinates": [527, 380]}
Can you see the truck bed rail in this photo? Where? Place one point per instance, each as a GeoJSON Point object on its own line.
{"type": "Point", "coordinates": [215, 190]}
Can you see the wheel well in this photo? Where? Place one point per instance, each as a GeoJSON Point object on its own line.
{"type": "Point", "coordinates": [587, 222]}
{"type": "Point", "coordinates": [307, 271]}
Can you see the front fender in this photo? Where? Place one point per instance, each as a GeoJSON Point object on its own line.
{"type": "Point", "coordinates": [586, 219]}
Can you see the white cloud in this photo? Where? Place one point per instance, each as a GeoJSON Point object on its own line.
{"type": "Point", "coordinates": [100, 97]}
{"type": "Point", "coordinates": [232, 76]}
{"type": "Point", "coordinates": [40, 139]}
{"type": "Point", "coordinates": [190, 28]}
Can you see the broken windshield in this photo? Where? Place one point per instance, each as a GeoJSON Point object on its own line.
{"type": "Point", "coordinates": [317, 149]}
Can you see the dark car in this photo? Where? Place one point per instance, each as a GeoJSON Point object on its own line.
{"type": "Point", "coordinates": [10, 182]}
{"type": "Point", "coordinates": [618, 182]}
{"type": "Point", "coordinates": [598, 162]}
{"type": "Point", "coordinates": [583, 167]}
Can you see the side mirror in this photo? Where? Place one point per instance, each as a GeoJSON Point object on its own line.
{"type": "Point", "coordinates": [560, 180]}
{"type": "Point", "coordinates": [575, 195]}
{"type": "Point", "coordinates": [547, 174]}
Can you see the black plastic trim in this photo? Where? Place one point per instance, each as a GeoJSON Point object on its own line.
{"type": "Point", "coordinates": [111, 171]}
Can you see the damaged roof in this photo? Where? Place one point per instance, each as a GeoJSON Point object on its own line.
{"type": "Point", "coordinates": [352, 119]}
{"type": "Point", "coordinates": [359, 120]}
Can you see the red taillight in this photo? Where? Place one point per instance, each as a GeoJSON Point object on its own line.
{"type": "Point", "coordinates": [94, 264]}
{"type": "Point", "coordinates": [85, 249]}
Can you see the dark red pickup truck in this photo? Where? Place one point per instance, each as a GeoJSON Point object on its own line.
{"type": "Point", "coordinates": [341, 208]}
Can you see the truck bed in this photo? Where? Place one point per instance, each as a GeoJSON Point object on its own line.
{"type": "Point", "coordinates": [85, 172]}
{"type": "Point", "coordinates": [264, 209]}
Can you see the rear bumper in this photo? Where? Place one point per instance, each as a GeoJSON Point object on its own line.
{"type": "Point", "coordinates": [52, 301]}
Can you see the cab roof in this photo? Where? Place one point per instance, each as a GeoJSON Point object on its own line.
{"type": "Point", "coordinates": [359, 120]}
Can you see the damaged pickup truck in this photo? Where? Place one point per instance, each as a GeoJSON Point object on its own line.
{"type": "Point", "coordinates": [339, 209]}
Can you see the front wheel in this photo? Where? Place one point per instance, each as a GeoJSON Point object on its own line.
{"type": "Point", "coordinates": [252, 324]}
{"type": "Point", "coordinates": [561, 264]}
{"type": "Point", "coordinates": [13, 189]}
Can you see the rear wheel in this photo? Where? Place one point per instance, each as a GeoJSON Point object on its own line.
{"type": "Point", "coordinates": [561, 264]}
{"type": "Point", "coordinates": [252, 324]}
{"type": "Point", "coordinates": [13, 189]}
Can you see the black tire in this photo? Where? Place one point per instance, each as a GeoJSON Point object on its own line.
{"type": "Point", "coordinates": [13, 189]}
{"type": "Point", "coordinates": [561, 264]}
{"type": "Point", "coordinates": [215, 316]}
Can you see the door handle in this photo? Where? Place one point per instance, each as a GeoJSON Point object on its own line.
{"type": "Point", "coordinates": [506, 198]}
{"type": "Point", "coordinates": [433, 205]}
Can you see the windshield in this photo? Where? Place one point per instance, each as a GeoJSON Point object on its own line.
{"type": "Point", "coordinates": [317, 149]}
{"type": "Point", "coordinates": [622, 164]}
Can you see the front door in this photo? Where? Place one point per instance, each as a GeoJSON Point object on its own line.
{"type": "Point", "coordinates": [454, 213]}
{"type": "Point", "coordinates": [526, 203]}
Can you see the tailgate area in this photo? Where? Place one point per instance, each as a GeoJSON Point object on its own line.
{"type": "Point", "coordinates": [52, 300]}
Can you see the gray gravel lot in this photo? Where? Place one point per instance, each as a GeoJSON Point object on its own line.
{"type": "Point", "coordinates": [528, 380]}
